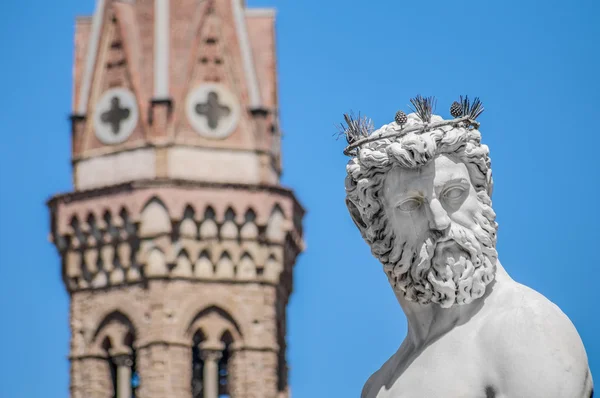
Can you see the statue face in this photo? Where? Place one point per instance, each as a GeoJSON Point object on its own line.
{"type": "Point", "coordinates": [429, 198]}
{"type": "Point", "coordinates": [444, 234]}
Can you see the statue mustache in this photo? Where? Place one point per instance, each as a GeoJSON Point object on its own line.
{"type": "Point", "coordinates": [462, 236]}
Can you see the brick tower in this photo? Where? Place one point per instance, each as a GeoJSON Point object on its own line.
{"type": "Point", "coordinates": [178, 241]}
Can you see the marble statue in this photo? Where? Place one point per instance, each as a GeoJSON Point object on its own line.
{"type": "Point", "coordinates": [419, 190]}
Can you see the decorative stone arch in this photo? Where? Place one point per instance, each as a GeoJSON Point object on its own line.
{"type": "Point", "coordinates": [246, 269]}
{"type": "Point", "coordinates": [124, 213]}
{"type": "Point", "coordinates": [229, 228]}
{"type": "Point", "coordinates": [214, 335]}
{"type": "Point", "coordinates": [191, 315]}
{"type": "Point", "coordinates": [276, 225]}
{"type": "Point", "coordinates": [183, 265]}
{"type": "Point", "coordinates": [230, 213]}
{"type": "Point", "coordinates": [114, 340]}
{"type": "Point", "coordinates": [154, 262]}
{"type": "Point", "coordinates": [249, 229]}
{"type": "Point", "coordinates": [208, 226]}
{"type": "Point", "coordinates": [101, 216]}
{"type": "Point", "coordinates": [273, 268]}
{"type": "Point", "coordinates": [198, 336]}
{"type": "Point", "coordinates": [109, 221]}
{"type": "Point", "coordinates": [204, 267]}
{"type": "Point", "coordinates": [188, 211]}
{"type": "Point", "coordinates": [225, 268]}
{"type": "Point", "coordinates": [126, 220]}
{"type": "Point", "coordinates": [90, 220]}
{"type": "Point", "coordinates": [116, 326]}
{"type": "Point", "coordinates": [188, 228]}
{"type": "Point", "coordinates": [232, 248]}
{"type": "Point", "coordinates": [254, 249]}
{"type": "Point", "coordinates": [74, 221]}
{"type": "Point", "coordinates": [225, 371]}
{"type": "Point", "coordinates": [154, 218]}
{"type": "Point", "coordinates": [77, 232]}
{"type": "Point", "coordinates": [250, 215]}
{"type": "Point", "coordinates": [209, 212]}
{"type": "Point", "coordinates": [197, 385]}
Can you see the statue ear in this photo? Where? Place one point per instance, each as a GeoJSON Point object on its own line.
{"type": "Point", "coordinates": [355, 214]}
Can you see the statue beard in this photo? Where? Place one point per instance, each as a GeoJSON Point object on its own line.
{"type": "Point", "coordinates": [447, 268]}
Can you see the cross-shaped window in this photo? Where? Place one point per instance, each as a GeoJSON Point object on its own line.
{"type": "Point", "coordinates": [115, 115]}
{"type": "Point", "coordinates": [212, 110]}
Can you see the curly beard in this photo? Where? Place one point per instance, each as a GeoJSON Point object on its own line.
{"type": "Point", "coordinates": [450, 268]}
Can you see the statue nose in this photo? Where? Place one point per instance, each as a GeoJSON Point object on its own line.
{"type": "Point", "coordinates": [438, 218]}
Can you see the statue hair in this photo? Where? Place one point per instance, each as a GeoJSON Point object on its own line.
{"type": "Point", "coordinates": [366, 172]}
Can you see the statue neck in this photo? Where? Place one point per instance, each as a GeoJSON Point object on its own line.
{"type": "Point", "coordinates": [427, 322]}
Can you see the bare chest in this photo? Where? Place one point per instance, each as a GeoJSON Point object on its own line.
{"type": "Point", "coordinates": [450, 370]}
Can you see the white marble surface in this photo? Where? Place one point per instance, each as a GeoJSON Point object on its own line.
{"type": "Point", "coordinates": [422, 203]}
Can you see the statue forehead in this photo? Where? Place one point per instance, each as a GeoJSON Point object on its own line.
{"type": "Point", "coordinates": [441, 169]}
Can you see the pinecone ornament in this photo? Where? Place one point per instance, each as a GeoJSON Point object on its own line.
{"type": "Point", "coordinates": [400, 118]}
{"type": "Point", "coordinates": [456, 110]}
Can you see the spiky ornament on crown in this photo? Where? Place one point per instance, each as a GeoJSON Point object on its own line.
{"type": "Point", "coordinates": [450, 263]}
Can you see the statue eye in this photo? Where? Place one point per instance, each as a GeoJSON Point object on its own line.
{"type": "Point", "coordinates": [410, 204]}
{"type": "Point", "coordinates": [454, 193]}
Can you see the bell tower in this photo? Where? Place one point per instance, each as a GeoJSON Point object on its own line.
{"type": "Point", "coordinates": [178, 241]}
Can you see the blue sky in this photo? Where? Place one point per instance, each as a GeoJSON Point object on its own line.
{"type": "Point", "coordinates": [534, 64]}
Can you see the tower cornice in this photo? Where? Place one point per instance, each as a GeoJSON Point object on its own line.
{"type": "Point", "coordinates": [130, 186]}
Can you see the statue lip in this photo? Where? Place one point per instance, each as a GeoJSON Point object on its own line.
{"type": "Point", "coordinates": [449, 245]}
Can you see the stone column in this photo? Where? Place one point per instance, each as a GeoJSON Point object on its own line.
{"type": "Point", "coordinates": [123, 363]}
{"type": "Point", "coordinates": [211, 372]}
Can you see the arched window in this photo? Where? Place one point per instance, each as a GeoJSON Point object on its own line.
{"type": "Point", "coordinates": [134, 379]}
{"type": "Point", "coordinates": [212, 354]}
{"type": "Point", "coordinates": [197, 366]}
{"type": "Point", "coordinates": [117, 337]}
{"type": "Point", "coordinates": [223, 372]}
{"type": "Point", "coordinates": [112, 366]}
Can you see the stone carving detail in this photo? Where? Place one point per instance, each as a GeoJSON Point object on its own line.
{"type": "Point", "coordinates": [229, 229]}
{"type": "Point", "coordinates": [118, 253]}
{"type": "Point", "coordinates": [272, 269]}
{"type": "Point", "coordinates": [116, 116]}
{"type": "Point", "coordinates": [209, 228]}
{"type": "Point", "coordinates": [212, 110]}
{"type": "Point", "coordinates": [249, 230]}
{"type": "Point", "coordinates": [155, 219]}
{"type": "Point", "coordinates": [401, 254]}
{"type": "Point", "coordinates": [422, 201]}
{"type": "Point", "coordinates": [246, 268]}
{"type": "Point", "coordinates": [224, 268]}
{"type": "Point", "coordinates": [183, 267]}
{"type": "Point", "coordinates": [275, 228]}
{"type": "Point", "coordinates": [113, 250]}
{"type": "Point", "coordinates": [156, 264]}
{"type": "Point", "coordinates": [101, 253]}
{"type": "Point", "coordinates": [203, 267]}
{"type": "Point", "coordinates": [211, 355]}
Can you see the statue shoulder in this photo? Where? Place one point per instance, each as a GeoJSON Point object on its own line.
{"type": "Point", "coordinates": [367, 391]}
{"type": "Point", "coordinates": [536, 347]}
{"type": "Point", "coordinates": [381, 376]}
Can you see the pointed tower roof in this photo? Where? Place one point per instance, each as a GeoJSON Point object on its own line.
{"type": "Point", "coordinates": [159, 80]}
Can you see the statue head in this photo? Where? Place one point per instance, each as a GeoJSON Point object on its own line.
{"type": "Point", "coordinates": [422, 201]}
